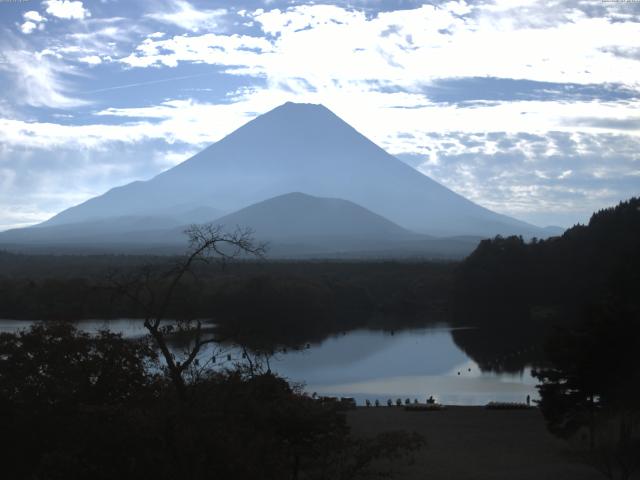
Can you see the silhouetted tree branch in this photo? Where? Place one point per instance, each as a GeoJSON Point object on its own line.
{"type": "Point", "coordinates": [153, 291]}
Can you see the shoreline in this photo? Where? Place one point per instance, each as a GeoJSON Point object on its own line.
{"type": "Point", "coordinates": [473, 442]}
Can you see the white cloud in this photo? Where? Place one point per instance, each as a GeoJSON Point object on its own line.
{"type": "Point", "coordinates": [230, 50]}
{"type": "Point", "coordinates": [549, 177]}
{"type": "Point", "coordinates": [185, 16]}
{"type": "Point", "coordinates": [39, 80]}
{"type": "Point", "coordinates": [96, 40]}
{"type": "Point", "coordinates": [33, 21]}
{"type": "Point", "coordinates": [33, 16]}
{"type": "Point", "coordinates": [398, 121]}
{"type": "Point", "coordinates": [37, 183]}
{"type": "Point", "coordinates": [324, 44]}
{"type": "Point", "coordinates": [178, 121]}
{"type": "Point", "coordinates": [17, 216]}
{"type": "Point", "coordinates": [91, 59]}
{"type": "Point", "coordinates": [375, 114]}
{"type": "Point", "coordinates": [66, 9]}
{"type": "Point", "coordinates": [166, 160]}
{"type": "Point", "coordinates": [28, 27]}
{"type": "Point", "coordinates": [104, 37]}
{"type": "Point", "coordinates": [371, 69]}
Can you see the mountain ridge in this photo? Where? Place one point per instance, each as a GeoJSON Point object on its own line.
{"type": "Point", "coordinates": [294, 225]}
{"type": "Point", "coordinates": [286, 215]}
{"type": "Point", "coordinates": [302, 148]}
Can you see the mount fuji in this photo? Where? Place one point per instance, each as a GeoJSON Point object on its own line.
{"type": "Point", "coordinates": [293, 148]}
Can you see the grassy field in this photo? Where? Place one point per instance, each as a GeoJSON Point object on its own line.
{"type": "Point", "coordinates": [474, 443]}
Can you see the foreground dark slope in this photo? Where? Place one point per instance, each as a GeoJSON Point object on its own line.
{"type": "Point", "coordinates": [301, 148]}
{"type": "Point", "coordinates": [466, 443]}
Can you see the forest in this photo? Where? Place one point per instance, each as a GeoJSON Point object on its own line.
{"type": "Point", "coordinates": [521, 289]}
{"type": "Point", "coordinates": [521, 292]}
{"type": "Point", "coordinates": [302, 301]}
{"type": "Point", "coordinates": [567, 305]}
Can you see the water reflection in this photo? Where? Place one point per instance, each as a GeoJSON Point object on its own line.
{"type": "Point", "coordinates": [367, 364]}
{"type": "Point", "coordinates": [411, 363]}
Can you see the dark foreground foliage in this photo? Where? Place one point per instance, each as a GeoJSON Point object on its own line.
{"type": "Point", "coordinates": [575, 300]}
{"type": "Point", "coordinates": [278, 303]}
{"type": "Point", "coordinates": [593, 369]}
{"type": "Point", "coordinates": [75, 406]}
{"type": "Point", "coordinates": [569, 304]}
{"type": "Point", "coordinates": [590, 391]}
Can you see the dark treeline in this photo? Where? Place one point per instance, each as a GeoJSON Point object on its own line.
{"type": "Point", "coordinates": [520, 292]}
{"type": "Point", "coordinates": [516, 291]}
{"type": "Point", "coordinates": [288, 302]}
{"type": "Point", "coordinates": [586, 262]}
{"type": "Point", "coordinates": [75, 406]}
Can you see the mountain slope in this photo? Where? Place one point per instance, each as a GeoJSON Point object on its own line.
{"type": "Point", "coordinates": [303, 148]}
{"type": "Point", "coordinates": [109, 229]}
{"type": "Point", "coordinates": [294, 225]}
{"type": "Point", "coordinates": [297, 215]}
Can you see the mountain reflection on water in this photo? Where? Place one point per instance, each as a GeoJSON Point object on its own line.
{"type": "Point", "coordinates": [374, 364]}
{"type": "Point", "coordinates": [415, 363]}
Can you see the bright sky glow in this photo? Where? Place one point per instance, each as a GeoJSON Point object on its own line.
{"type": "Point", "coordinates": [530, 108]}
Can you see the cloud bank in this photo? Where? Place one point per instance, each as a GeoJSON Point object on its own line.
{"type": "Point", "coordinates": [525, 107]}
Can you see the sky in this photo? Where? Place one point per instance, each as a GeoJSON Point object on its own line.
{"type": "Point", "coordinates": [529, 108]}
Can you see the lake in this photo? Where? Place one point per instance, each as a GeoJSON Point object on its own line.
{"type": "Point", "coordinates": [375, 365]}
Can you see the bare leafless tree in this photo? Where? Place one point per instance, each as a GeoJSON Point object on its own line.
{"type": "Point", "coordinates": [153, 291]}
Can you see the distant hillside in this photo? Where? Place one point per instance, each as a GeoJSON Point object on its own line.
{"type": "Point", "coordinates": [296, 216]}
{"type": "Point", "coordinates": [295, 225]}
{"type": "Point", "coordinates": [116, 232]}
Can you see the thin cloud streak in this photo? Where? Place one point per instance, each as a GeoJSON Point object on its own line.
{"type": "Point", "coordinates": [149, 82]}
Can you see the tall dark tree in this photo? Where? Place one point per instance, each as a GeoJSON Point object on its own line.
{"type": "Point", "coordinates": [593, 385]}
{"type": "Point", "coordinates": [153, 291]}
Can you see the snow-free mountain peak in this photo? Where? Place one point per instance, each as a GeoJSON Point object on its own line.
{"type": "Point", "coordinates": [300, 148]}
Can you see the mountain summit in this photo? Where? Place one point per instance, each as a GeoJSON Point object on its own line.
{"type": "Point", "coordinates": [299, 148]}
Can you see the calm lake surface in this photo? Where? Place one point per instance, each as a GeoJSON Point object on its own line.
{"type": "Point", "coordinates": [367, 364]}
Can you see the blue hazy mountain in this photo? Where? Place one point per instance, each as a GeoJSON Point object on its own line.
{"type": "Point", "coordinates": [294, 225]}
{"type": "Point", "coordinates": [301, 225]}
{"type": "Point", "coordinates": [301, 148]}
{"type": "Point", "coordinates": [296, 214]}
